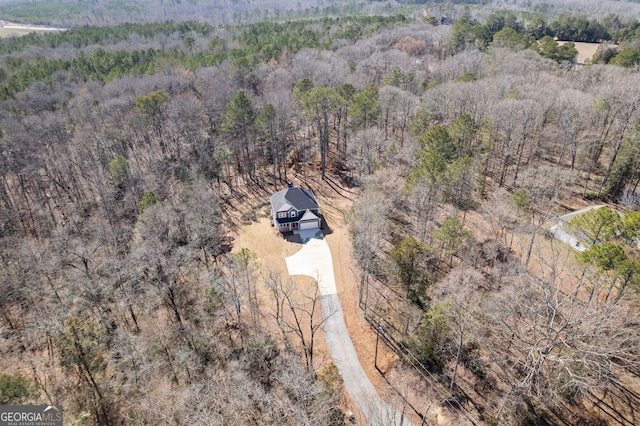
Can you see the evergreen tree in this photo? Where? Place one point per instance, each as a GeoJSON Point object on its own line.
{"type": "Point", "coordinates": [237, 123]}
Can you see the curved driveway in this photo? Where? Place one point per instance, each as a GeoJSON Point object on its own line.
{"type": "Point", "coordinates": [314, 260]}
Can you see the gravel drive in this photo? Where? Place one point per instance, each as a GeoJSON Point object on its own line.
{"type": "Point", "coordinates": [314, 260]}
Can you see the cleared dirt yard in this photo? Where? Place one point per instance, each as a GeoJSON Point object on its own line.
{"type": "Point", "coordinates": [272, 249]}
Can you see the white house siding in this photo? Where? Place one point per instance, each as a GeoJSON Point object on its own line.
{"type": "Point", "coordinates": [561, 234]}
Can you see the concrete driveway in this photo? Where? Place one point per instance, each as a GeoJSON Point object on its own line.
{"type": "Point", "coordinates": [314, 260]}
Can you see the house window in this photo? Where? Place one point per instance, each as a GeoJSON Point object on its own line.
{"type": "Point", "coordinates": [294, 213]}
{"type": "Point", "coordinates": [282, 215]}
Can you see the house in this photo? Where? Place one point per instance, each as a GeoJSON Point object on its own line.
{"type": "Point", "coordinates": [561, 231]}
{"type": "Point", "coordinates": [294, 208]}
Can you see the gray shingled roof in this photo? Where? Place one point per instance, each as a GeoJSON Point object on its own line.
{"type": "Point", "coordinates": [298, 198]}
{"type": "Point", "coordinates": [308, 215]}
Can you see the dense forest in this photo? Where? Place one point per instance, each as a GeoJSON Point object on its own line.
{"type": "Point", "coordinates": [132, 153]}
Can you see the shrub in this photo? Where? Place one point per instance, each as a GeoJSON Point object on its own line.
{"type": "Point", "coordinates": [16, 390]}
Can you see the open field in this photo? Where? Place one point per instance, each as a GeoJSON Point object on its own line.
{"type": "Point", "coordinates": [14, 32]}
{"type": "Point", "coordinates": [9, 29]}
{"type": "Point", "coordinates": [585, 50]}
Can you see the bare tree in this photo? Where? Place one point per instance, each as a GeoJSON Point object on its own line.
{"type": "Point", "coordinates": [163, 258]}
{"type": "Point", "coordinates": [366, 148]}
{"type": "Point", "coordinates": [569, 112]}
{"type": "Point", "coordinates": [560, 339]}
{"type": "Point", "coordinates": [457, 291]}
{"type": "Point", "coordinates": [499, 207]}
{"type": "Point", "coordinates": [543, 186]}
{"type": "Point", "coordinates": [398, 108]}
{"type": "Point", "coordinates": [186, 125]}
{"type": "Point", "coordinates": [237, 281]}
{"type": "Point", "coordinates": [300, 315]}
{"type": "Point", "coordinates": [368, 224]}
{"type": "Point", "coordinates": [624, 104]}
{"type": "Point", "coordinates": [80, 352]}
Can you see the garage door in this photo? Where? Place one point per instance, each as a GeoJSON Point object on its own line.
{"type": "Point", "coordinates": [309, 224]}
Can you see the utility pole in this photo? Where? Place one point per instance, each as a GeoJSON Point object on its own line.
{"type": "Point", "coordinates": [375, 358]}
